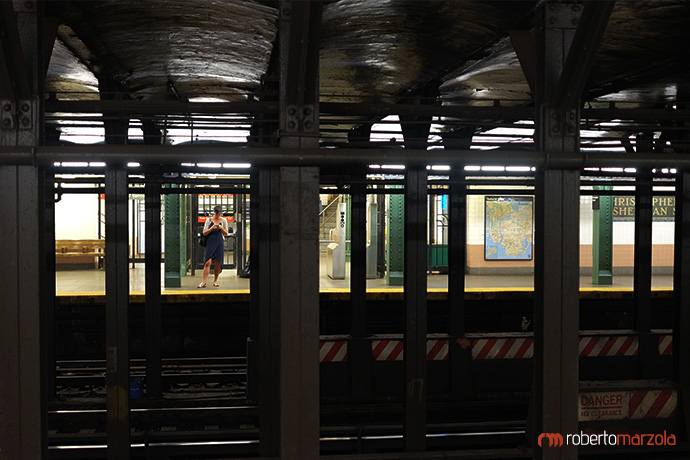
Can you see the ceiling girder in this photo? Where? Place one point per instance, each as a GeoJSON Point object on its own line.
{"type": "Point", "coordinates": [576, 69]}
{"type": "Point", "coordinates": [15, 82]}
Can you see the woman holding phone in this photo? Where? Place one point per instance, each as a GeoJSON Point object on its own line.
{"type": "Point", "coordinates": [215, 229]}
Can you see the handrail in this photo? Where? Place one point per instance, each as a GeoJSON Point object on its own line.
{"type": "Point", "coordinates": [322, 219]}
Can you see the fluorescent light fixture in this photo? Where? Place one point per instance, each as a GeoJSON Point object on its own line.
{"type": "Point", "coordinates": [237, 165]}
{"type": "Point", "coordinates": [187, 164]}
{"type": "Point", "coordinates": [209, 165]}
{"type": "Point", "coordinates": [133, 164]}
{"type": "Point", "coordinates": [673, 170]}
{"type": "Point", "coordinates": [392, 166]}
{"type": "Point", "coordinates": [374, 166]}
{"type": "Point", "coordinates": [97, 164]}
{"type": "Point", "coordinates": [493, 168]}
{"type": "Point", "coordinates": [440, 168]}
{"type": "Point", "coordinates": [518, 168]}
{"type": "Point", "coordinates": [630, 170]}
{"type": "Point", "coordinates": [75, 164]}
{"type": "Point", "coordinates": [57, 163]}
{"type": "Point", "coordinates": [473, 168]}
{"type": "Point", "coordinates": [616, 170]}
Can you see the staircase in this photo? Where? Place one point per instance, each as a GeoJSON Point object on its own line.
{"type": "Point", "coordinates": [327, 221]}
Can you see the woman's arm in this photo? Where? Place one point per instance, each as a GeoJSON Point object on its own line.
{"type": "Point", "coordinates": [207, 227]}
{"type": "Point", "coordinates": [224, 227]}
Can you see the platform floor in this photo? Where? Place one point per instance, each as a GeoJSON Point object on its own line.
{"type": "Point", "coordinates": [94, 281]}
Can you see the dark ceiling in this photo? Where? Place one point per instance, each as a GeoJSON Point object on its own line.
{"type": "Point", "coordinates": [453, 52]}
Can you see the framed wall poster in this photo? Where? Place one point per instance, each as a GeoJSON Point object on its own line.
{"type": "Point", "coordinates": [508, 227]}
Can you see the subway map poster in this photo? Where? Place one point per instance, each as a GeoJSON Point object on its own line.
{"type": "Point", "coordinates": [508, 233]}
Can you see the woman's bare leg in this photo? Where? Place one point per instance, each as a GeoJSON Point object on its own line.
{"type": "Point", "coordinates": [207, 270]}
{"type": "Point", "coordinates": [216, 272]}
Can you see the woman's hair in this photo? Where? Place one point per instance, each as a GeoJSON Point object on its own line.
{"type": "Point", "coordinates": [217, 210]}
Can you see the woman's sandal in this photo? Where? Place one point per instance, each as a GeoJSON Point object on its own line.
{"type": "Point", "coordinates": [216, 284]}
{"type": "Point", "coordinates": [202, 285]}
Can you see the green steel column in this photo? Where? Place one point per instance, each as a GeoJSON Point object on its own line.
{"type": "Point", "coordinates": [174, 233]}
{"type": "Point", "coordinates": [348, 230]}
{"type": "Point", "coordinates": [602, 241]}
{"type": "Point", "coordinates": [395, 240]}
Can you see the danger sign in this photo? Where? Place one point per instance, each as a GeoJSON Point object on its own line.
{"type": "Point", "coordinates": [603, 406]}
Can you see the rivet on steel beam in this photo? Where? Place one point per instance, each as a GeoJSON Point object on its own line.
{"type": "Point", "coordinates": [25, 107]}
{"type": "Point", "coordinates": [307, 111]}
{"type": "Point", "coordinates": [307, 124]}
{"type": "Point", "coordinates": [6, 122]}
{"type": "Point", "coordinates": [291, 124]}
{"type": "Point", "coordinates": [7, 107]}
{"type": "Point", "coordinates": [26, 121]}
{"type": "Point", "coordinates": [291, 111]}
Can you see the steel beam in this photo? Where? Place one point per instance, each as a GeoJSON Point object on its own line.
{"type": "Point", "coordinates": [299, 313]}
{"type": "Point", "coordinates": [583, 47]}
{"type": "Point", "coordinates": [153, 320]}
{"type": "Point", "coordinates": [265, 287]}
{"type": "Point", "coordinates": [299, 29]}
{"type": "Point", "coordinates": [557, 267]}
{"type": "Point", "coordinates": [359, 347]}
{"type": "Point", "coordinates": [15, 79]}
{"type": "Point", "coordinates": [460, 350]}
{"type": "Point", "coordinates": [602, 240]}
{"type": "Point", "coordinates": [116, 316]}
{"type": "Point", "coordinates": [681, 291]}
{"type": "Point", "coordinates": [156, 155]}
{"type": "Point", "coordinates": [415, 300]}
{"type": "Point", "coordinates": [22, 359]}
{"type": "Point", "coordinates": [48, 277]}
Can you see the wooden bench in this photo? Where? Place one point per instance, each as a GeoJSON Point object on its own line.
{"type": "Point", "coordinates": [79, 252]}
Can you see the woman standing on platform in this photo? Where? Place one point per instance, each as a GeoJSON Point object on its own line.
{"type": "Point", "coordinates": [215, 229]}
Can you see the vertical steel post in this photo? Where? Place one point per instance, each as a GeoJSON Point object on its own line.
{"type": "Point", "coordinates": [173, 240]}
{"type": "Point", "coordinates": [24, 293]}
{"type": "Point", "coordinates": [557, 268]}
{"type": "Point", "coordinates": [642, 275]}
{"type": "Point", "coordinates": [681, 291]}
{"type": "Point", "coordinates": [116, 313]}
{"type": "Point", "coordinates": [299, 313]}
{"type": "Point", "coordinates": [395, 234]}
{"type": "Point", "coordinates": [152, 314]}
{"type": "Point", "coordinates": [459, 347]}
{"type": "Point", "coordinates": [359, 348]}
{"type": "Point", "coordinates": [602, 238]}
{"type": "Point", "coordinates": [22, 386]}
{"type": "Point", "coordinates": [415, 300]}
{"type": "Point", "coordinates": [265, 288]}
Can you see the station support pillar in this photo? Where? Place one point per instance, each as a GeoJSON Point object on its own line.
{"type": "Point", "coordinates": [567, 36]}
{"type": "Point", "coordinates": [602, 238]}
{"type": "Point", "coordinates": [175, 237]}
{"type": "Point", "coordinates": [395, 235]}
{"type": "Point", "coordinates": [25, 295]}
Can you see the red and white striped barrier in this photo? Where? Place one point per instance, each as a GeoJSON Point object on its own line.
{"type": "Point", "coordinates": [387, 350]}
{"type": "Point", "coordinates": [665, 345]}
{"type": "Point", "coordinates": [506, 348]}
{"type": "Point", "coordinates": [602, 345]}
{"type": "Point", "coordinates": [393, 350]}
{"type": "Point", "coordinates": [333, 351]}
{"type": "Point", "coordinates": [653, 404]}
{"type": "Point", "coordinates": [437, 349]}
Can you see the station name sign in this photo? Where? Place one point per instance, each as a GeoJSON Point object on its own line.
{"type": "Point", "coordinates": [663, 208]}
